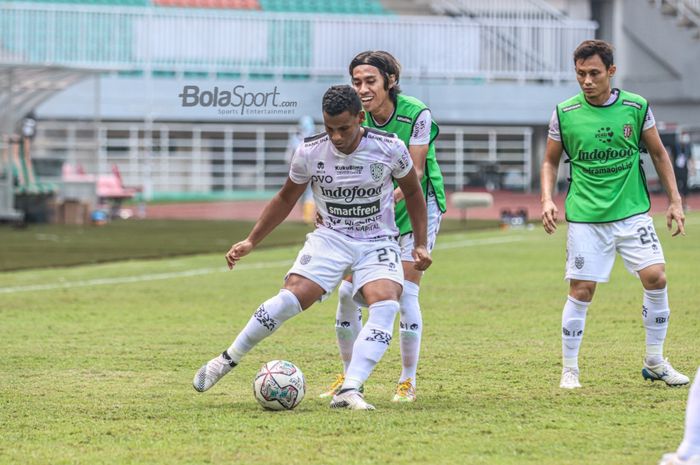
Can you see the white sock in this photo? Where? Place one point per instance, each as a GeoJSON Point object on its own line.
{"type": "Point", "coordinates": [265, 321]}
{"type": "Point", "coordinates": [573, 322]}
{"type": "Point", "coordinates": [371, 343]}
{"type": "Point", "coordinates": [348, 322]}
{"type": "Point", "coordinates": [655, 313]}
{"type": "Point", "coordinates": [691, 440]}
{"type": "Point", "coordinates": [410, 330]}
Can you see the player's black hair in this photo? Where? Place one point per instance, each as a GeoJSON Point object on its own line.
{"type": "Point", "coordinates": [385, 63]}
{"type": "Point", "coordinates": [588, 48]}
{"type": "Point", "coordinates": [338, 99]}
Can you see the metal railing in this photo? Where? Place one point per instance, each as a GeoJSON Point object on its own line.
{"type": "Point", "coordinates": [258, 43]}
{"type": "Point", "coordinates": [687, 11]}
{"type": "Point", "coordinates": [210, 158]}
{"type": "Point", "coordinates": [693, 5]}
{"type": "Point", "coordinates": [518, 10]}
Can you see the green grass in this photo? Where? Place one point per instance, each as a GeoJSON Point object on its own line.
{"type": "Point", "coordinates": [40, 246]}
{"type": "Point", "coordinates": [101, 374]}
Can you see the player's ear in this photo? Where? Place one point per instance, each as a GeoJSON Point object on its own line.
{"type": "Point", "coordinates": [392, 80]}
{"type": "Point", "coordinates": [612, 70]}
{"type": "Point", "coordinates": [361, 116]}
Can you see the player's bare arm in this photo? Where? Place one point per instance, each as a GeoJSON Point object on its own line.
{"type": "Point", "coordinates": [418, 214]}
{"type": "Point", "coordinates": [418, 155]}
{"type": "Point", "coordinates": [663, 166]}
{"type": "Point", "coordinates": [272, 215]}
{"type": "Point", "coordinates": [548, 177]}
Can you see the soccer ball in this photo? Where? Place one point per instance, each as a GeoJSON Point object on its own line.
{"type": "Point", "coordinates": [279, 385]}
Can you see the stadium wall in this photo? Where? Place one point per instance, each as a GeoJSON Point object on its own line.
{"type": "Point", "coordinates": [139, 99]}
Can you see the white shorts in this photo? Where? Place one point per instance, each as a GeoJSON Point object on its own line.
{"type": "Point", "coordinates": [434, 218]}
{"type": "Point", "coordinates": [327, 256]}
{"type": "Point", "coordinates": [591, 247]}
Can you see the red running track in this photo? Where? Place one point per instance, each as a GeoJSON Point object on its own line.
{"type": "Point", "coordinates": [250, 210]}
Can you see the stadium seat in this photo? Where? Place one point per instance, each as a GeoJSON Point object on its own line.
{"type": "Point", "coordinates": [109, 187]}
{"type": "Point", "coordinates": [26, 181]}
{"type": "Point", "coordinates": [224, 4]}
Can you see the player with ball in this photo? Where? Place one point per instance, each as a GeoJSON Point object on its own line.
{"type": "Point", "coordinates": [350, 169]}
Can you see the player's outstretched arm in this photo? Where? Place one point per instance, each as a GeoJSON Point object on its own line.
{"type": "Point", "coordinates": [272, 215]}
{"type": "Point", "coordinates": [663, 166]}
{"type": "Point", "coordinates": [548, 176]}
{"type": "Point", "coordinates": [418, 214]}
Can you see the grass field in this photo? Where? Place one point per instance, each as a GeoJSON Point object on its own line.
{"type": "Point", "coordinates": [97, 364]}
{"type": "Point", "coordinates": [52, 245]}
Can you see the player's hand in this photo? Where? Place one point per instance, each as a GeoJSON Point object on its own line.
{"type": "Point", "coordinates": [421, 258]}
{"type": "Point", "coordinates": [675, 213]}
{"type": "Point", "coordinates": [238, 251]}
{"type": "Point", "coordinates": [398, 195]}
{"type": "Point", "coordinates": [549, 216]}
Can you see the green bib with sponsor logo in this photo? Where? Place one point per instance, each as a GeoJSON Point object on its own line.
{"type": "Point", "coordinates": [607, 182]}
{"type": "Point", "coordinates": [402, 124]}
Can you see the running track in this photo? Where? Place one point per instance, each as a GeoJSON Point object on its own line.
{"type": "Point", "coordinates": [250, 210]}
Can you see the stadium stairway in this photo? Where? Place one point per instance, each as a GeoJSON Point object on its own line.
{"type": "Point", "coordinates": [664, 33]}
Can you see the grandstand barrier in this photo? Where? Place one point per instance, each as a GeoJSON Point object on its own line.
{"type": "Point", "coordinates": [173, 160]}
{"type": "Point", "coordinates": [175, 41]}
{"type": "Point", "coordinates": [466, 200]}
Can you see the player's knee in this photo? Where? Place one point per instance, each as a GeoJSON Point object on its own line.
{"type": "Point", "coordinates": [654, 280]}
{"type": "Point", "coordinates": [582, 292]}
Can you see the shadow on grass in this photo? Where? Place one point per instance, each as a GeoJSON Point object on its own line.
{"type": "Point", "coordinates": [42, 246]}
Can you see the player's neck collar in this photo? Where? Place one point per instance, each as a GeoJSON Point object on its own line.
{"type": "Point", "coordinates": [391, 116]}
{"type": "Point", "coordinates": [612, 98]}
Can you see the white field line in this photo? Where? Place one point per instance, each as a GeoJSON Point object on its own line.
{"type": "Point", "coordinates": [136, 279]}
{"type": "Point", "coordinates": [204, 271]}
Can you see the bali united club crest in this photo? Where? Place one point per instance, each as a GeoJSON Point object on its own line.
{"type": "Point", "coordinates": [377, 170]}
{"type": "Point", "coordinates": [578, 262]}
{"type": "Point", "coordinates": [627, 130]}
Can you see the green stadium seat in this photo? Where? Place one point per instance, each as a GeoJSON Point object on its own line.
{"type": "Point", "coordinates": [23, 172]}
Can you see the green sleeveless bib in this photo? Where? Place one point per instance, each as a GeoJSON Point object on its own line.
{"type": "Point", "coordinates": [402, 124]}
{"type": "Point", "coordinates": [607, 182]}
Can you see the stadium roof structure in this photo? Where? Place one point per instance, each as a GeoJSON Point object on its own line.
{"type": "Point", "coordinates": [23, 87]}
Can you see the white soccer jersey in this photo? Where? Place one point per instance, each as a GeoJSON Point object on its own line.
{"type": "Point", "coordinates": [354, 193]}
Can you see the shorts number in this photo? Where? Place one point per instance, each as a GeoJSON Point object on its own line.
{"type": "Point", "coordinates": [647, 235]}
{"type": "Point", "coordinates": [383, 255]}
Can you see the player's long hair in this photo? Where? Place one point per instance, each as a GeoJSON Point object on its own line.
{"type": "Point", "coordinates": [385, 63]}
